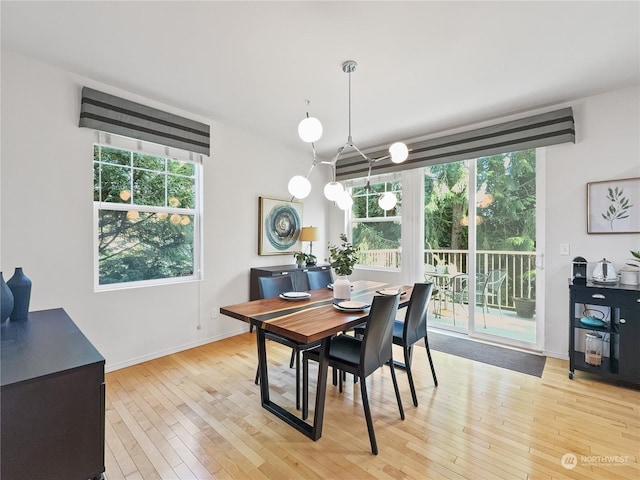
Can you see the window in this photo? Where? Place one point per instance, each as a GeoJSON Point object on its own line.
{"type": "Point", "coordinates": [146, 217]}
{"type": "Point", "coordinates": [375, 231]}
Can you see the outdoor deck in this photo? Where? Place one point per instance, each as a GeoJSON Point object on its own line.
{"type": "Point", "coordinates": [508, 325]}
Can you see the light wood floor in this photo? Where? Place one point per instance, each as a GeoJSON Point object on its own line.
{"type": "Point", "coordinates": [196, 415]}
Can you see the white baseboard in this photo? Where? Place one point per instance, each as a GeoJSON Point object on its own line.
{"type": "Point", "coordinates": [152, 356]}
{"type": "Point", "coordinates": [560, 356]}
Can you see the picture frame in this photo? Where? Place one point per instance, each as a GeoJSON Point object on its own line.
{"type": "Point", "coordinates": [613, 206]}
{"type": "Point", "coordinates": [280, 226]}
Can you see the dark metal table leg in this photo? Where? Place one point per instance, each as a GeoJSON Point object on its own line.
{"type": "Point", "coordinates": [314, 431]}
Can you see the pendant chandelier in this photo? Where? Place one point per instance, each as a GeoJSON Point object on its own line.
{"type": "Point", "coordinates": [310, 130]}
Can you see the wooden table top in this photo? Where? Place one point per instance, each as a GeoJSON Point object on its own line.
{"type": "Point", "coordinates": [312, 319]}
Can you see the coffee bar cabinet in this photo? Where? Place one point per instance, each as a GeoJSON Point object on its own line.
{"type": "Point", "coordinates": [298, 276]}
{"type": "Point", "coordinates": [604, 331]}
{"type": "Point", "coordinates": [52, 400]}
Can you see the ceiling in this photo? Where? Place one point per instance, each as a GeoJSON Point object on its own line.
{"type": "Point", "coordinates": [423, 66]}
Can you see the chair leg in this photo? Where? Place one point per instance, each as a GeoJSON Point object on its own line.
{"type": "Point", "coordinates": [293, 357]}
{"type": "Point", "coordinates": [433, 370]}
{"type": "Point", "coordinates": [367, 416]}
{"type": "Point", "coordinates": [395, 387]}
{"type": "Point", "coordinates": [407, 364]}
{"type": "Point", "coordinates": [257, 375]}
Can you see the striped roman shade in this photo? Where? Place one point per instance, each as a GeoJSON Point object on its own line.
{"type": "Point", "coordinates": [549, 128]}
{"type": "Point", "coordinates": [111, 114]}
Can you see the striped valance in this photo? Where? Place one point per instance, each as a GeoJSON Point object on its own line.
{"type": "Point", "coordinates": [542, 130]}
{"type": "Point", "coordinates": [116, 115]}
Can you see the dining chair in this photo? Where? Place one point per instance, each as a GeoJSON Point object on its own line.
{"type": "Point", "coordinates": [270, 287]}
{"type": "Point", "coordinates": [487, 285]}
{"type": "Point", "coordinates": [491, 288]}
{"type": "Point", "coordinates": [413, 329]}
{"type": "Point", "coordinates": [429, 271]}
{"type": "Point", "coordinates": [361, 356]}
{"type": "Point", "coordinates": [319, 278]}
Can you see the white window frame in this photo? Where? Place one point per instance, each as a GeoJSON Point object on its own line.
{"type": "Point", "coordinates": [361, 182]}
{"type": "Point", "coordinates": [160, 151]}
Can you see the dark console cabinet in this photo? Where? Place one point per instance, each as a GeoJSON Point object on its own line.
{"type": "Point", "coordinates": [298, 275]}
{"type": "Point", "coordinates": [621, 331]}
{"type": "Point", "coordinates": [52, 400]}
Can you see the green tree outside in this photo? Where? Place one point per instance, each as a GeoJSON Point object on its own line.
{"type": "Point", "coordinates": [137, 244]}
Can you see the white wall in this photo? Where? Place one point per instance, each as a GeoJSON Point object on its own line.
{"type": "Point", "coordinates": [46, 218]}
{"type": "Point", "coordinates": [607, 147]}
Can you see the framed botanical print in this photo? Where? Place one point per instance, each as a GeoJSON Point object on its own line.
{"type": "Point", "coordinates": [613, 206]}
{"type": "Point", "coordinates": [280, 226]}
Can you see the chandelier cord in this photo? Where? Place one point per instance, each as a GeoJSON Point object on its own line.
{"type": "Point", "coordinates": [350, 140]}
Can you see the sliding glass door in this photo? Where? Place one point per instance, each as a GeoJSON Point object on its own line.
{"type": "Point", "coordinates": [480, 246]}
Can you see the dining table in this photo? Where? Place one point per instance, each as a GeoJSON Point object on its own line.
{"type": "Point", "coordinates": [307, 320]}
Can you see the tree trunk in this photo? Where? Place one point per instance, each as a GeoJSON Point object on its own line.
{"type": "Point", "coordinates": [456, 227]}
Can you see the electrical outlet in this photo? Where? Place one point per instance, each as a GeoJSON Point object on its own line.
{"type": "Point", "coordinates": [214, 314]}
{"type": "Point", "coordinates": [564, 249]}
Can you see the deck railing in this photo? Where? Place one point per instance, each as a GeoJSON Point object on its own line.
{"type": "Point", "coordinates": [519, 265]}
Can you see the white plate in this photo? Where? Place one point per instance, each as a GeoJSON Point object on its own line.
{"type": "Point", "coordinates": [389, 291]}
{"type": "Point", "coordinates": [352, 305]}
{"type": "Point", "coordinates": [295, 295]}
{"type": "Point", "coordinates": [352, 310]}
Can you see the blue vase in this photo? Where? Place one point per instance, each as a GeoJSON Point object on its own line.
{"type": "Point", "coordinates": [6, 300]}
{"type": "Point", "coordinates": [20, 286]}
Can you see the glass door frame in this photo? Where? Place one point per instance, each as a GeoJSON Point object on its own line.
{"type": "Point", "coordinates": [477, 331]}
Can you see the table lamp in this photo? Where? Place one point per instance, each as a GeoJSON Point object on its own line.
{"type": "Point", "coordinates": [309, 234]}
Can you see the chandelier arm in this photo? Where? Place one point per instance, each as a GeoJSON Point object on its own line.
{"type": "Point", "coordinates": [361, 154]}
{"type": "Point", "coordinates": [315, 158]}
{"type": "Point", "coordinates": [312, 167]}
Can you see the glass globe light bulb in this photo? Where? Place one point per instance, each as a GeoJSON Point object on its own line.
{"type": "Point", "coordinates": [299, 186]}
{"type": "Point", "coordinates": [332, 190]}
{"type": "Point", "coordinates": [387, 201]}
{"type": "Point", "coordinates": [310, 129]}
{"type": "Point", "coordinates": [399, 152]}
{"type": "Point", "coordinates": [344, 200]}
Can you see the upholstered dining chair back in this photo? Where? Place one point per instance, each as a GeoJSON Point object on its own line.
{"type": "Point", "coordinates": [415, 320]}
{"type": "Point", "coordinates": [378, 334]}
{"type": "Point", "coordinates": [319, 278]}
{"type": "Point", "coordinates": [274, 286]}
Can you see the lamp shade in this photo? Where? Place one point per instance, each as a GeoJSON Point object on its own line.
{"type": "Point", "coordinates": [332, 190]}
{"type": "Point", "coordinates": [387, 201]}
{"type": "Point", "coordinates": [344, 200]}
{"type": "Point", "coordinates": [299, 186]}
{"type": "Point", "coordinates": [399, 152]}
{"type": "Point", "coordinates": [310, 129]}
{"type": "Point", "coordinates": [309, 234]}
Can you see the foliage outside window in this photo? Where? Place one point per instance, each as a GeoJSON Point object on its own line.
{"type": "Point", "coordinates": [376, 233]}
{"type": "Point", "coordinates": [505, 216]}
{"type": "Point", "coordinates": [505, 203]}
{"type": "Point", "coordinates": [146, 218]}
